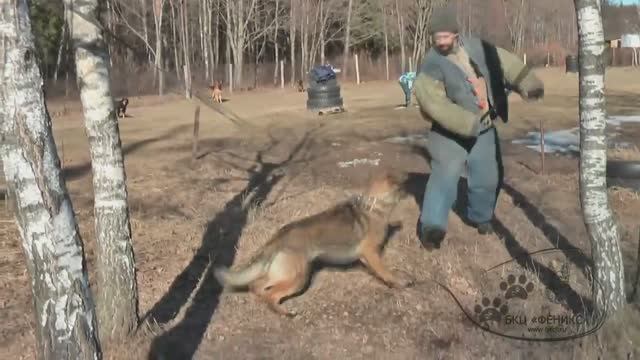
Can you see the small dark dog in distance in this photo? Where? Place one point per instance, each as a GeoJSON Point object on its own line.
{"type": "Point", "coordinates": [300, 86]}
{"type": "Point", "coordinates": [121, 107]}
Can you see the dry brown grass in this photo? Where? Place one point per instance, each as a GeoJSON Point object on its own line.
{"type": "Point", "coordinates": [632, 153]}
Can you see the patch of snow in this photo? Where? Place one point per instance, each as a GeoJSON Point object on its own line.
{"type": "Point", "coordinates": [568, 140]}
{"type": "Point", "coordinates": [355, 162]}
{"type": "Point", "coordinates": [416, 139]}
{"type": "Point", "coordinates": [617, 120]}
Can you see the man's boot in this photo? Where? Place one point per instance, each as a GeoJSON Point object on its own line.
{"type": "Point", "coordinates": [485, 228]}
{"type": "Point", "coordinates": [431, 238]}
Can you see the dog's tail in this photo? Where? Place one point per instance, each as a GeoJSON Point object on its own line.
{"type": "Point", "coordinates": [243, 276]}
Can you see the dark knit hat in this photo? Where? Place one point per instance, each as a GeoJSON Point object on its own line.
{"type": "Point", "coordinates": [444, 19]}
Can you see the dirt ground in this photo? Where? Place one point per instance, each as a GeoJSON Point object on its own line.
{"type": "Point", "coordinates": [264, 161]}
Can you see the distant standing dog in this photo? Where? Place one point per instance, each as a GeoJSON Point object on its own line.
{"type": "Point", "coordinates": [121, 107]}
{"type": "Point", "coordinates": [216, 91]}
{"type": "Point", "coordinates": [300, 86]}
{"type": "Point", "coordinates": [353, 230]}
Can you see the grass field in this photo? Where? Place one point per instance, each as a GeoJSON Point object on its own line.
{"type": "Point", "coordinates": [264, 161]}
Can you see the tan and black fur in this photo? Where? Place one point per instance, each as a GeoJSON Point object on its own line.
{"type": "Point", "coordinates": [353, 230]}
{"type": "Point", "coordinates": [216, 91]}
{"type": "Point", "coordinates": [300, 86]}
{"type": "Point", "coordinates": [121, 107]}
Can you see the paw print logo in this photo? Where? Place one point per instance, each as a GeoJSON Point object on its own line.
{"type": "Point", "coordinates": [520, 290]}
{"type": "Point", "coordinates": [491, 311]}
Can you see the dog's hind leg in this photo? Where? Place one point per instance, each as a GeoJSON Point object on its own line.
{"type": "Point", "coordinates": [288, 276]}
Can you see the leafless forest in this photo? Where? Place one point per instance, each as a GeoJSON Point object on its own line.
{"type": "Point", "coordinates": [156, 44]}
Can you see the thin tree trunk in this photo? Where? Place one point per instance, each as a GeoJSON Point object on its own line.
{"type": "Point", "coordinates": [303, 40]}
{"type": "Point", "coordinates": [292, 42]}
{"type": "Point", "coordinates": [228, 59]}
{"type": "Point", "coordinates": [401, 34]}
{"type": "Point", "coordinates": [145, 26]}
{"type": "Point", "coordinates": [602, 228]}
{"type": "Point", "coordinates": [176, 49]}
{"type": "Point", "coordinates": [386, 39]}
{"type": "Point", "coordinates": [275, 41]}
{"type": "Point", "coordinates": [202, 18]}
{"type": "Point", "coordinates": [185, 48]}
{"type": "Point", "coordinates": [66, 326]}
{"type": "Point", "coordinates": [158, 6]}
{"type": "Point", "coordinates": [63, 40]}
{"type": "Point", "coordinates": [216, 47]}
{"type": "Point", "coordinates": [118, 296]}
{"type": "Point", "coordinates": [263, 46]}
{"type": "Point", "coordinates": [211, 41]}
{"type": "Point", "coordinates": [347, 40]}
{"type": "Point", "coordinates": [111, 26]}
{"type": "Point", "coordinates": [322, 43]}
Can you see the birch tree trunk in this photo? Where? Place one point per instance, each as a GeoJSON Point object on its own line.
{"type": "Point", "coordinates": [347, 37]}
{"type": "Point", "coordinates": [216, 41]}
{"type": "Point", "coordinates": [202, 20]}
{"type": "Point", "coordinates": [323, 29]}
{"type": "Point", "coordinates": [158, 6]}
{"type": "Point", "coordinates": [117, 296]}
{"type": "Point", "coordinates": [292, 42]}
{"type": "Point", "coordinates": [176, 49]}
{"type": "Point", "coordinates": [601, 226]}
{"type": "Point", "coordinates": [145, 26]}
{"type": "Point", "coordinates": [64, 308]}
{"type": "Point", "coordinates": [184, 37]}
{"type": "Point", "coordinates": [63, 40]}
{"type": "Point", "coordinates": [304, 38]}
{"type": "Point", "coordinates": [386, 38]}
{"type": "Point", "coordinates": [403, 55]}
{"type": "Point", "coordinates": [275, 42]}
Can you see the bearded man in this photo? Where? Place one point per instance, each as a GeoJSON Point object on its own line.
{"type": "Point", "coordinates": [461, 88]}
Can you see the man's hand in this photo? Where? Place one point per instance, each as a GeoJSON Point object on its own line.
{"type": "Point", "coordinates": [485, 119]}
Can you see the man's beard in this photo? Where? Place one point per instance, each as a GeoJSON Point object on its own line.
{"type": "Point", "coordinates": [444, 49]}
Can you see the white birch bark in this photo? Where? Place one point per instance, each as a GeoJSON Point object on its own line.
{"type": "Point", "coordinates": [158, 6]}
{"type": "Point", "coordinates": [117, 295]}
{"type": "Point", "coordinates": [601, 226]}
{"type": "Point", "coordinates": [292, 42]}
{"type": "Point", "coordinates": [64, 309]}
{"type": "Point", "coordinates": [276, 50]}
{"type": "Point", "coordinates": [347, 39]}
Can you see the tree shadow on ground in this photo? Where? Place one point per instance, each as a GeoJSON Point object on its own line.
{"type": "Point", "coordinates": [218, 248]}
{"type": "Point", "coordinates": [79, 171]}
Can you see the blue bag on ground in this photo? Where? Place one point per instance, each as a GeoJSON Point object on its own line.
{"type": "Point", "coordinates": [322, 73]}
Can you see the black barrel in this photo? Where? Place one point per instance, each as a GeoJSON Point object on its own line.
{"type": "Point", "coordinates": [571, 63]}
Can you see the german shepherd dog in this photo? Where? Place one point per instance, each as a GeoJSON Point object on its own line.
{"type": "Point", "coordinates": [121, 107]}
{"type": "Point", "coordinates": [353, 230]}
{"type": "Point", "coordinates": [216, 91]}
{"type": "Point", "coordinates": [300, 86]}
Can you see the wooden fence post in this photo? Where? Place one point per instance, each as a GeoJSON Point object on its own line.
{"type": "Point", "coordinates": [357, 69]}
{"type": "Point", "coordinates": [196, 130]}
{"type": "Point", "coordinates": [230, 77]}
{"type": "Point", "coordinates": [542, 147]}
{"type": "Point", "coordinates": [282, 74]}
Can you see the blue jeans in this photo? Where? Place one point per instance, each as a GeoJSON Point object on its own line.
{"type": "Point", "coordinates": [407, 92]}
{"type": "Point", "coordinates": [448, 157]}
